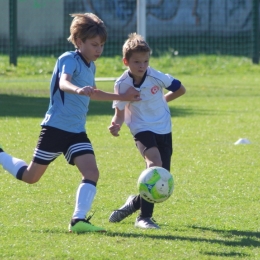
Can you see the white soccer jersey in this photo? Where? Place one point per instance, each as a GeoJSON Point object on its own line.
{"type": "Point", "coordinates": [152, 112]}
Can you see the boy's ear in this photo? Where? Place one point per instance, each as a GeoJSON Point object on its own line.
{"type": "Point", "coordinates": [125, 61]}
{"type": "Point", "coordinates": [78, 42]}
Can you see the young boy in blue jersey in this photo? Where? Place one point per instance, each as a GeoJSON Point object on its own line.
{"type": "Point", "coordinates": [63, 128]}
{"type": "Point", "coordinates": [149, 120]}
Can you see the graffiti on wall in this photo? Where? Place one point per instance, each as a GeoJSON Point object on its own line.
{"type": "Point", "coordinates": [163, 18]}
{"type": "Point", "coordinates": [168, 17]}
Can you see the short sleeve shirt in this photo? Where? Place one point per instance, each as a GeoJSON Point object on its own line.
{"type": "Point", "coordinates": [152, 112]}
{"type": "Point", "coordinates": [68, 111]}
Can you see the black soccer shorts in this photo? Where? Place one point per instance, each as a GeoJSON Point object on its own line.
{"type": "Point", "coordinates": [147, 139]}
{"type": "Point", "coordinates": [53, 142]}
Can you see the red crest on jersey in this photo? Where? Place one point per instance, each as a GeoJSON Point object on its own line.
{"type": "Point", "coordinates": [154, 89]}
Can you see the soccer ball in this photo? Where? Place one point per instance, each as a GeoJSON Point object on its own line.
{"type": "Point", "coordinates": [155, 184]}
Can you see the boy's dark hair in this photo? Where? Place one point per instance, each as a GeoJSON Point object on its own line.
{"type": "Point", "coordinates": [135, 43]}
{"type": "Point", "coordinates": [86, 26]}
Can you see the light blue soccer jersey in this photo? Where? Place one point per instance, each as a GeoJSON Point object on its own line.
{"type": "Point", "coordinates": [68, 111]}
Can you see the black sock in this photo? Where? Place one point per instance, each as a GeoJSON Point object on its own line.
{"type": "Point", "coordinates": [136, 202]}
{"type": "Point", "coordinates": [75, 221]}
{"type": "Point", "coordinates": [146, 209]}
{"type": "Point", "coordinates": [19, 174]}
{"type": "Point", "coordinates": [89, 182]}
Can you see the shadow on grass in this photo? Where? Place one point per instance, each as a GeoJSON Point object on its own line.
{"type": "Point", "coordinates": [22, 106]}
{"type": "Point", "coordinates": [246, 239]}
{"type": "Point", "coordinates": [224, 254]}
{"type": "Point", "coordinates": [244, 242]}
{"type": "Point", "coordinates": [242, 239]}
{"type": "Point", "coordinates": [227, 233]}
{"type": "Point", "coordinates": [29, 106]}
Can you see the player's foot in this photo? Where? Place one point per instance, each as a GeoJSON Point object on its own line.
{"type": "Point", "coordinates": [146, 223]}
{"type": "Point", "coordinates": [83, 225]}
{"type": "Point", "coordinates": [1, 148]}
{"type": "Point", "coordinates": [126, 210]}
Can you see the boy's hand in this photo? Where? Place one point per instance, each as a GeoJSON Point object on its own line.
{"type": "Point", "coordinates": [86, 91]}
{"type": "Point", "coordinates": [131, 95]}
{"type": "Point", "coordinates": [114, 129]}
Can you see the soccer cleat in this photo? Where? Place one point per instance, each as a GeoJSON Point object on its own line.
{"type": "Point", "coordinates": [146, 223]}
{"type": "Point", "coordinates": [126, 210]}
{"type": "Point", "coordinates": [1, 148]}
{"type": "Point", "coordinates": [83, 226]}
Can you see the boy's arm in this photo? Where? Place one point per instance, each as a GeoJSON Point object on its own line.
{"type": "Point", "coordinates": [130, 95]}
{"type": "Point", "coordinates": [117, 121]}
{"type": "Point", "coordinates": [169, 96]}
{"type": "Point", "coordinates": [65, 84]}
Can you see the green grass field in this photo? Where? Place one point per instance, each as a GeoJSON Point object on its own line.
{"type": "Point", "coordinates": [214, 210]}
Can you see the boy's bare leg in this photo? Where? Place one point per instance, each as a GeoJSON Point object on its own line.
{"type": "Point", "coordinates": [33, 173]}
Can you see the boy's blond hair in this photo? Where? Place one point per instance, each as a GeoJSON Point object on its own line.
{"type": "Point", "coordinates": [86, 26]}
{"type": "Point", "coordinates": [135, 43]}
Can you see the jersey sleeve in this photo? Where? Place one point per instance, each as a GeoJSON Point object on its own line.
{"type": "Point", "coordinates": [118, 88]}
{"type": "Point", "coordinates": [173, 84]}
{"type": "Point", "coordinates": [166, 81]}
{"type": "Point", "coordinates": [67, 65]}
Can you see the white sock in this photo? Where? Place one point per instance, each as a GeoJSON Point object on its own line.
{"type": "Point", "coordinates": [84, 199]}
{"type": "Point", "coordinates": [11, 164]}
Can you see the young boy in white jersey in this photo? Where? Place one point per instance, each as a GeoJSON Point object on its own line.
{"type": "Point", "coordinates": [63, 128]}
{"type": "Point", "coordinates": [148, 120]}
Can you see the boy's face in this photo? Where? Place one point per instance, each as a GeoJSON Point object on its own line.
{"type": "Point", "coordinates": [91, 49]}
{"type": "Point", "coordinates": [138, 63]}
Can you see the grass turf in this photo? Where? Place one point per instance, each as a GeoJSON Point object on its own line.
{"type": "Point", "coordinates": [214, 210]}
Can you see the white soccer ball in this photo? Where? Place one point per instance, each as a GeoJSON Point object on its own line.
{"type": "Point", "coordinates": [155, 184]}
